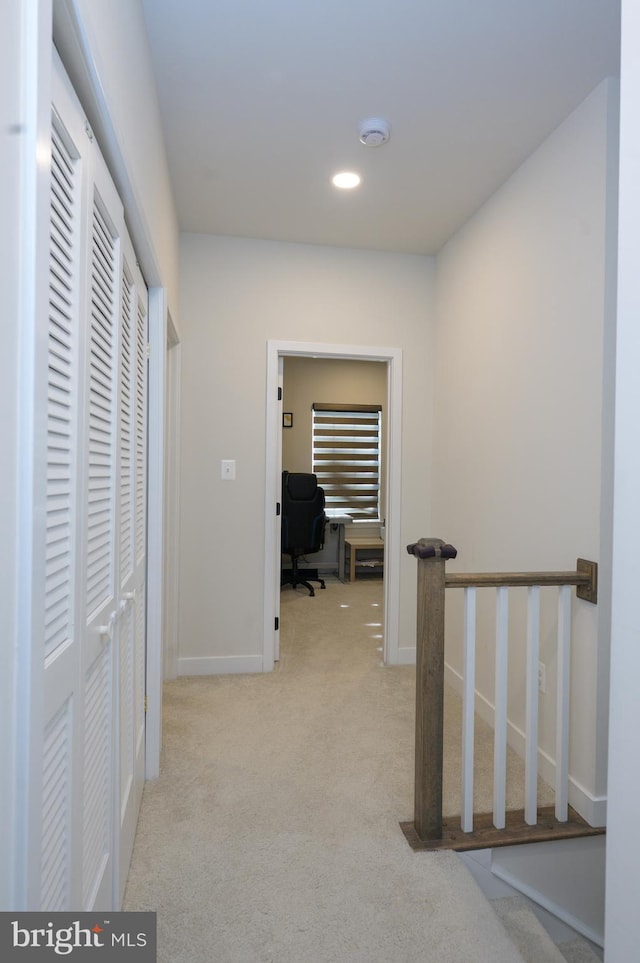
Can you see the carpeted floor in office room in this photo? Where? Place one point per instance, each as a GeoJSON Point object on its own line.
{"type": "Point", "coordinates": [272, 833]}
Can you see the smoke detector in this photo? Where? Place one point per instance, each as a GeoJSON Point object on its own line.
{"type": "Point", "coordinates": [374, 132]}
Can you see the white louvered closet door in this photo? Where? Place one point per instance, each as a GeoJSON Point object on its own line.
{"type": "Point", "coordinates": [58, 885]}
{"type": "Point", "coordinates": [100, 617]}
{"type": "Point", "coordinates": [91, 747]}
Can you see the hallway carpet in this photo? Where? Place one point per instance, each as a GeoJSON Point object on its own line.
{"type": "Point", "coordinates": [272, 833]}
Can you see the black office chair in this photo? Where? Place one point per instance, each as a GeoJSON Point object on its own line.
{"type": "Point", "coordinates": [303, 522]}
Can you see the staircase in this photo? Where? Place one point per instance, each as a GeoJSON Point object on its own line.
{"type": "Point", "coordinates": [531, 938]}
{"type": "Point", "coordinates": [538, 935]}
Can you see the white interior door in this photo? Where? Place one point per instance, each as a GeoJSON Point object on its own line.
{"type": "Point", "coordinates": [57, 796]}
{"type": "Point", "coordinates": [101, 505]}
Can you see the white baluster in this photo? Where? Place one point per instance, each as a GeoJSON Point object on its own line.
{"type": "Point", "coordinates": [531, 724]}
{"type": "Point", "coordinates": [500, 722]}
{"type": "Point", "coordinates": [468, 708]}
{"type": "Point", "coordinates": [562, 704]}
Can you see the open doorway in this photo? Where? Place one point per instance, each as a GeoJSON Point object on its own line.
{"type": "Point", "coordinates": [334, 425]}
{"type": "Point", "coordinates": [392, 359]}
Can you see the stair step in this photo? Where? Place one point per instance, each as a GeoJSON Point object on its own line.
{"type": "Point", "coordinates": [526, 931]}
{"type": "Point", "coordinates": [578, 951]}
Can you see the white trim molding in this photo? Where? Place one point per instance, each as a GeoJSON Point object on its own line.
{"type": "Point", "coordinates": [219, 665]}
{"type": "Point", "coordinates": [155, 537]}
{"type": "Point", "coordinates": [407, 654]}
{"type": "Point", "coordinates": [172, 505]}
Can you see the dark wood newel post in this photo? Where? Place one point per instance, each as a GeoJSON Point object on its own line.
{"type": "Point", "coordinates": [432, 554]}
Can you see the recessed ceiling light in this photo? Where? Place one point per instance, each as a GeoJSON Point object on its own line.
{"type": "Point", "coordinates": [346, 180]}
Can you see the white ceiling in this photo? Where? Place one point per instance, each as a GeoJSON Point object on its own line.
{"type": "Point", "coordinates": [262, 99]}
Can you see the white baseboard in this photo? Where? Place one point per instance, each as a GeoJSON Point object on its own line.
{"type": "Point", "coordinates": [406, 655]}
{"type": "Point", "coordinates": [219, 665]}
{"type": "Point", "coordinates": [592, 808]}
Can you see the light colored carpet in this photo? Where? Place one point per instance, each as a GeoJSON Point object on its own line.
{"type": "Point", "coordinates": [526, 931]}
{"type": "Point", "coordinates": [578, 951]}
{"type": "Point", "coordinates": [272, 833]}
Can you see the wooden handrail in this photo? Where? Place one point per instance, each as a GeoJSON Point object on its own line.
{"type": "Point", "coordinates": [432, 554]}
{"type": "Point", "coordinates": [585, 577]}
{"type": "Point", "coordinates": [489, 579]}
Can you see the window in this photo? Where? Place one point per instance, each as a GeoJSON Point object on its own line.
{"type": "Point", "coordinates": [346, 458]}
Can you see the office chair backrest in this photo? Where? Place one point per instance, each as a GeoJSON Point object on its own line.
{"type": "Point", "coordinates": [303, 517]}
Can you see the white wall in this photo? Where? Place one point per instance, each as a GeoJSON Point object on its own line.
{"type": "Point", "coordinates": [235, 295]}
{"type": "Point", "coordinates": [119, 94]}
{"type": "Point", "coordinates": [524, 311]}
{"type": "Point", "coordinates": [623, 850]}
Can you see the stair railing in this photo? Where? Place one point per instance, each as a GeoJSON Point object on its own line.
{"type": "Point", "coordinates": [429, 830]}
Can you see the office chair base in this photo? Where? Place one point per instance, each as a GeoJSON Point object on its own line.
{"type": "Point", "coordinates": [294, 579]}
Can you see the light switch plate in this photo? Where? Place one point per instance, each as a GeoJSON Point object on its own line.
{"type": "Point", "coordinates": [228, 470]}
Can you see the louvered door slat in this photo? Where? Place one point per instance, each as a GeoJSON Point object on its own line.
{"type": "Point", "coordinates": [56, 821]}
{"type": "Point", "coordinates": [61, 397]}
{"type": "Point", "coordinates": [60, 209]}
{"type": "Point", "coordinates": [61, 163]}
{"type": "Point", "coordinates": [100, 455]}
{"type": "Point", "coordinates": [102, 336]}
{"type": "Point", "coordinates": [60, 291]}
{"type": "Point", "coordinates": [101, 372]}
{"type": "Point", "coordinates": [97, 751]}
{"type": "Point", "coordinates": [126, 453]}
{"type": "Point", "coordinates": [102, 323]}
{"type": "Point", "coordinates": [103, 243]}
{"type": "Point", "coordinates": [62, 180]}
{"type": "Point", "coordinates": [59, 299]}
{"type": "Point", "coordinates": [141, 427]}
{"type": "Point", "coordinates": [103, 270]}
{"type": "Point", "coordinates": [60, 363]}
{"type": "Point", "coordinates": [60, 267]}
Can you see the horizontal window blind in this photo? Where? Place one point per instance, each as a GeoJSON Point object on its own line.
{"type": "Point", "coordinates": [346, 457]}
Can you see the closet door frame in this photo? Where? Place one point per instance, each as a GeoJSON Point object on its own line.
{"type": "Point", "coordinates": [157, 379]}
